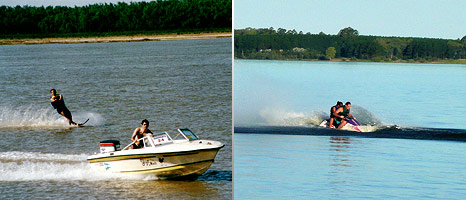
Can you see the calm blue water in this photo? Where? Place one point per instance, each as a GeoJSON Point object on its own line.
{"type": "Point", "coordinates": [280, 154]}
{"type": "Point", "coordinates": [322, 167]}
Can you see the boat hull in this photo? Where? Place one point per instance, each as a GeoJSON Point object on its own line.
{"type": "Point", "coordinates": [165, 165]}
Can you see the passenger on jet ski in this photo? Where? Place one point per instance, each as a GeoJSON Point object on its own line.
{"type": "Point", "coordinates": [332, 113]}
{"type": "Point", "coordinates": [341, 115]}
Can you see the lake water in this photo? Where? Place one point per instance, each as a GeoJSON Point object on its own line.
{"type": "Point", "coordinates": [415, 151]}
{"type": "Point", "coordinates": [173, 84]}
{"type": "Point", "coordinates": [326, 167]}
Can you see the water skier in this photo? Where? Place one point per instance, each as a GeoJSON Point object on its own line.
{"type": "Point", "coordinates": [59, 104]}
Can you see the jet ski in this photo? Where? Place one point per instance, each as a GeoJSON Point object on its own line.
{"type": "Point", "coordinates": [352, 125]}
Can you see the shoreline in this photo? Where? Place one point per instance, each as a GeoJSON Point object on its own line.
{"type": "Point", "coordinates": [445, 61]}
{"type": "Point", "coordinates": [439, 61]}
{"type": "Point", "coordinates": [134, 38]}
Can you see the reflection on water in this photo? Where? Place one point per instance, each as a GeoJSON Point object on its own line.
{"type": "Point", "coordinates": [340, 143]}
{"type": "Point", "coordinates": [323, 167]}
{"type": "Point", "coordinates": [216, 175]}
{"type": "Point", "coordinates": [339, 146]}
{"type": "Point", "coordinates": [340, 160]}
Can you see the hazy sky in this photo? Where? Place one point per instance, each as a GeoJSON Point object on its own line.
{"type": "Point", "coordinates": [406, 18]}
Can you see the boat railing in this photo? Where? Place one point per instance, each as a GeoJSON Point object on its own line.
{"type": "Point", "coordinates": [153, 140]}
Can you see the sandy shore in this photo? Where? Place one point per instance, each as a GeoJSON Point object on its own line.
{"type": "Point", "coordinates": [135, 38]}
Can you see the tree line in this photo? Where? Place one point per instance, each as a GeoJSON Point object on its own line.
{"type": "Point", "coordinates": [120, 17]}
{"type": "Point", "coordinates": [268, 43]}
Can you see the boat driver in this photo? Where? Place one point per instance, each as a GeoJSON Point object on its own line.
{"type": "Point", "coordinates": [342, 113]}
{"type": "Point", "coordinates": [139, 133]}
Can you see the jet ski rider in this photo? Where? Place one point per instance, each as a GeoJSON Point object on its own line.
{"type": "Point", "coordinates": [342, 113]}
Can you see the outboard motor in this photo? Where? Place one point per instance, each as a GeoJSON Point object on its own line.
{"type": "Point", "coordinates": [109, 146]}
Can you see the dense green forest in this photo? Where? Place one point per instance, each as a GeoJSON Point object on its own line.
{"type": "Point", "coordinates": [268, 43]}
{"type": "Point", "coordinates": [162, 15]}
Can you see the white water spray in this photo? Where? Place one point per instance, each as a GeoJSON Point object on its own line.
{"type": "Point", "coordinates": [37, 117]}
{"type": "Point", "coordinates": [37, 166]}
{"type": "Point", "coordinates": [278, 117]}
{"type": "Point", "coordinates": [281, 117]}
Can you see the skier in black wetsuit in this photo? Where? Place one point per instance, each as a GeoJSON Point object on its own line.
{"type": "Point", "coordinates": [59, 104]}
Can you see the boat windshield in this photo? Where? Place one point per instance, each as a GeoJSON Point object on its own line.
{"type": "Point", "coordinates": [153, 140]}
{"type": "Point", "coordinates": [161, 138]}
{"type": "Point", "coordinates": [164, 138]}
{"type": "Point", "coordinates": [147, 143]}
{"type": "Point", "coordinates": [188, 134]}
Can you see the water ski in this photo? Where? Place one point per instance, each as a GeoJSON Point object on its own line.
{"type": "Point", "coordinates": [82, 124]}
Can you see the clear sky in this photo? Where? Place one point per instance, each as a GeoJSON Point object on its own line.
{"type": "Point", "coordinates": [405, 18]}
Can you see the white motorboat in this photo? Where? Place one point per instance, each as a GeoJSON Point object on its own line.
{"type": "Point", "coordinates": [181, 157]}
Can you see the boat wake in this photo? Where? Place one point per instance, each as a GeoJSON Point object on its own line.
{"type": "Point", "coordinates": [301, 123]}
{"type": "Point", "coordinates": [369, 122]}
{"type": "Point", "coordinates": [386, 132]}
{"type": "Point", "coordinates": [37, 117]}
{"type": "Point", "coordinates": [37, 166]}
